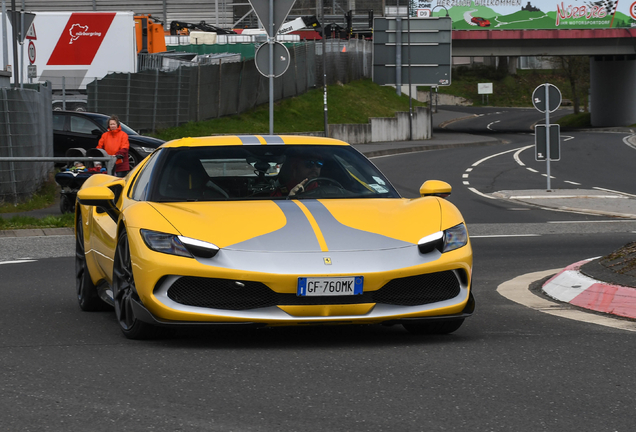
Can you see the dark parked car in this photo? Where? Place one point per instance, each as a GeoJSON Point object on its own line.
{"type": "Point", "coordinates": [72, 129]}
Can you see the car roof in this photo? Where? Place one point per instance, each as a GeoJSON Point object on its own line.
{"type": "Point", "coordinates": [82, 113]}
{"type": "Point", "coordinates": [238, 140]}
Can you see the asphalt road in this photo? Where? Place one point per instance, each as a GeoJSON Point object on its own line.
{"type": "Point", "coordinates": [509, 368]}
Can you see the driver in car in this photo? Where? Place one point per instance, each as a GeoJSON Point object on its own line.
{"type": "Point", "coordinates": [296, 173]}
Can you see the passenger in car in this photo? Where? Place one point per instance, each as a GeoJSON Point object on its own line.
{"type": "Point", "coordinates": [189, 181]}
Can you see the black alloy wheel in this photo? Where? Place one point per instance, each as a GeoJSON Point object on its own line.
{"type": "Point", "coordinates": [133, 158]}
{"type": "Point", "coordinates": [86, 290]}
{"type": "Point", "coordinates": [66, 204]}
{"type": "Point", "coordinates": [125, 293]}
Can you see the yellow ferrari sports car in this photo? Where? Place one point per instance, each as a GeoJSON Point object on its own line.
{"type": "Point", "coordinates": [269, 231]}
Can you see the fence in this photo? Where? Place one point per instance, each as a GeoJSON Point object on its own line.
{"type": "Point", "coordinates": [26, 130]}
{"type": "Point", "coordinates": [155, 99]}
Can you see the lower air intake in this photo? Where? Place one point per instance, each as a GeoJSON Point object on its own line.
{"type": "Point", "coordinates": [419, 290]}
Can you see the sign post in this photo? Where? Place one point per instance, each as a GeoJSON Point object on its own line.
{"type": "Point", "coordinates": [484, 89]}
{"type": "Point", "coordinates": [272, 14]}
{"type": "Point", "coordinates": [546, 98]}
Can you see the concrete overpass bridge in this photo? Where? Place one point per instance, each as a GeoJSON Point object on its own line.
{"type": "Point", "coordinates": [612, 55]}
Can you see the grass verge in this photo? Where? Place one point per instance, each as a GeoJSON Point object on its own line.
{"type": "Point", "coordinates": [351, 103]}
{"type": "Point", "coordinates": [43, 198]}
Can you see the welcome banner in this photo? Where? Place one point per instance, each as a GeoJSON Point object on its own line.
{"type": "Point", "coordinates": [530, 15]}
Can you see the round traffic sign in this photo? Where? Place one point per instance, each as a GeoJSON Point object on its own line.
{"type": "Point", "coordinates": [281, 59]}
{"type": "Point", "coordinates": [31, 52]}
{"type": "Point", "coordinates": [539, 98]}
{"type": "Point", "coordinates": [632, 10]}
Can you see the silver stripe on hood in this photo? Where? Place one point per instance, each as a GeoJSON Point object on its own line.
{"type": "Point", "coordinates": [294, 249]}
{"type": "Point", "coordinates": [299, 236]}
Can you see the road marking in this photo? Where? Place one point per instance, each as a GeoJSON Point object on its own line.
{"type": "Point", "coordinates": [613, 191]}
{"type": "Point", "coordinates": [480, 194]}
{"type": "Point", "coordinates": [492, 156]}
{"type": "Point", "coordinates": [596, 221]}
{"type": "Point", "coordinates": [490, 124]}
{"type": "Point", "coordinates": [630, 141]}
{"type": "Point", "coordinates": [517, 291]}
{"type": "Point", "coordinates": [464, 175]}
{"type": "Point", "coordinates": [17, 261]}
{"type": "Point", "coordinates": [517, 158]}
{"type": "Point", "coordinates": [566, 138]}
{"type": "Point", "coordinates": [532, 170]}
{"type": "Point", "coordinates": [571, 182]}
{"type": "Point", "coordinates": [505, 235]}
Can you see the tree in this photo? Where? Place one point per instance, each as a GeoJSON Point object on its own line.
{"type": "Point", "coordinates": [577, 70]}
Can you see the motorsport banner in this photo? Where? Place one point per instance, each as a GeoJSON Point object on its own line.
{"type": "Point", "coordinates": [530, 15]}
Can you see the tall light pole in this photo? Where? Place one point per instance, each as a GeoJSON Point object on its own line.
{"type": "Point", "coordinates": [324, 67]}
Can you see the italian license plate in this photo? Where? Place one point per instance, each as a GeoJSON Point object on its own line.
{"type": "Point", "coordinates": [330, 286]}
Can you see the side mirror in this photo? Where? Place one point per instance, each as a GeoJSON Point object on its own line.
{"type": "Point", "coordinates": [97, 196]}
{"type": "Point", "coordinates": [436, 188]}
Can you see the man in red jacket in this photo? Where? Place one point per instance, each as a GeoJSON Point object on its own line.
{"type": "Point", "coordinates": [115, 142]}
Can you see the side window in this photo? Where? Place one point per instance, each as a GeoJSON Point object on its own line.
{"type": "Point", "coordinates": [140, 189]}
{"type": "Point", "coordinates": [82, 125]}
{"type": "Point", "coordinates": [58, 122]}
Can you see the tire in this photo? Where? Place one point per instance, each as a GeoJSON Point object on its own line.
{"type": "Point", "coordinates": [87, 295]}
{"type": "Point", "coordinates": [133, 159]}
{"type": "Point", "coordinates": [66, 204]}
{"type": "Point", "coordinates": [433, 327]}
{"type": "Point", "coordinates": [124, 293]}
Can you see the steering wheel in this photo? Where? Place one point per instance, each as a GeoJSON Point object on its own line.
{"type": "Point", "coordinates": [322, 179]}
{"type": "Point", "coordinates": [316, 191]}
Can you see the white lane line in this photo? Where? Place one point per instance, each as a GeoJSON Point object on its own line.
{"type": "Point", "coordinates": [17, 261]}
{"type": "Point", "coordinates": [495, 155]}
{"type": "Point", "coordinates": [566, 138]}
{"type": "Point", "coordinates": [573, 183]}
{"type": "Point", "coordinates": [505, 235]}
{"type": "Point", "coordinates": [613, 191]}
{"type": "Point", "coordinates": [630, 141]}
{"type": "Point", "coordinates": [464, 175]}
{"type": "Point", "coordinates": [469, 169]}
{"type": "Point", "coordinates": [597, 221]}
{"type": "Point", "coordinates": [532, 170]}
{"type": "Point", "coordinates": [517, 291]}
{"type": "Point", "coordinates": [473, 190]}
{"type": "Point", "coordinates": [517, 158]}
{"type": "Point", "coordinates": [466, 183]}
{"type": "Point", "coordinates": [490, 124]}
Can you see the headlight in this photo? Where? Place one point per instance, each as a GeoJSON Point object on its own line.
{"type": "Point", "coordinates": [455, 237]}
{"type": "Point", "coordinates": [142, 149]}
{"type": "Point", "coordinates": [444, 241]}
{"type": "Point", "coordinates": [178, 245]}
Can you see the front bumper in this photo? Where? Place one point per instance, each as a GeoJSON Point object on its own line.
{"type": "Point", "coordinates": [143, 314]}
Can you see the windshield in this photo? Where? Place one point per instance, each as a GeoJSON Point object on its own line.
{"type": "Point", "coordinates": [266, 172]}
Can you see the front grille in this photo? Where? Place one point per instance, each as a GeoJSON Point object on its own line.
{"type": "Point", "coordinates": [418, 290]}
{"type": "Point", "coordinates": [230, 294]}
{"type": "Point", "coordinates": [221, 293]}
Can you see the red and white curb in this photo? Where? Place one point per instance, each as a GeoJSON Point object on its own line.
{"type": "Point", "coordinates": [573, 287]}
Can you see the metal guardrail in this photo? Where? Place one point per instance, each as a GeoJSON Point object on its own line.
{"type": "Point", "coordinates": [110, 160]}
